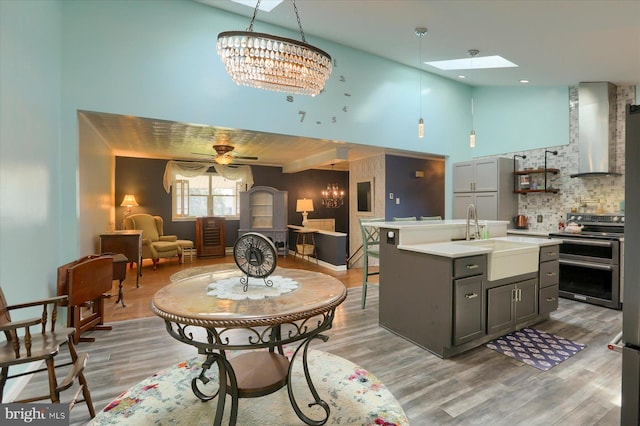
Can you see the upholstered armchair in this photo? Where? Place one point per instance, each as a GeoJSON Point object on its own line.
{"type": "Point", "coordinates": [155, 245]}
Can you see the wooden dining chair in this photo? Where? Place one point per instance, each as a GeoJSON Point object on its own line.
{"type": "Point", "coordinates": [370, 248]}
{"type": "Point", "coordinates": [24, 346]}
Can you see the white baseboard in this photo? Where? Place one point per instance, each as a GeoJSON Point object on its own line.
{"type": "Point", "coordinates": [322, 263]}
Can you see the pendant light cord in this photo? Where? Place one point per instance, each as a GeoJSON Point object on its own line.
{"type": "Point", "coordinates": [420, 32]}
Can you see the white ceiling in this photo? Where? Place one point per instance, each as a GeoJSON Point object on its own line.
{"type": "Point", "coordinates": [554, 42]}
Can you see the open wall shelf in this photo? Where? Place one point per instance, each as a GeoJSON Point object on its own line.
{"type": "Point", "coordinates": [543, 171]}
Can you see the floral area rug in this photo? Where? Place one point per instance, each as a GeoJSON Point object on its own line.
{"type": "Point", "coordinates": [536, 348]}
{"type": "Point", "coordinates": [355, 397]}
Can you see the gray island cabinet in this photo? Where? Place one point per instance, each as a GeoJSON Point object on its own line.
{"type": "Point", "coordinates": [441, 299]}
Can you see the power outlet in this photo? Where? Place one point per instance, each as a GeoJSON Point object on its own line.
{"type": "Point", "coordinates": [398, 200]}
{"type": "Point", "coordinates": [539, 218]}
{"type": "Point", "coordinates": [391, 195]}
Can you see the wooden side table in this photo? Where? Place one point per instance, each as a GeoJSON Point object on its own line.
{"type": "Point", "coordinates": [306, 243]}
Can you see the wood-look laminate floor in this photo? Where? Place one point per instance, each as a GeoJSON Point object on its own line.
{"type": "Point", "coordinates": [479, 387]}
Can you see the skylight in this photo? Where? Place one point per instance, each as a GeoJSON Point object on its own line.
{"type": "Point", "coordinates": [265, 5]}
{"type": "Point", "coordinates": [475, 63]}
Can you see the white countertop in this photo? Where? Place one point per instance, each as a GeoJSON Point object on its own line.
{"type": "Point", "coordinates": [413, 224]}
{"type": "Point", "coordinates": [455, 249]}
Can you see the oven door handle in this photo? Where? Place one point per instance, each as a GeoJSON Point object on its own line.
{"type": "Point", "coordinates": [585, 242]}
{"type": "Point", "coordinates": [590, 265]}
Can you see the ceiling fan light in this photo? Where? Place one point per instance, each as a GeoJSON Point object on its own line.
{"type": "Point", "coordinates": [223, 159]}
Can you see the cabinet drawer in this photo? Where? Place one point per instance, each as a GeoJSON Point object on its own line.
{"type": "Point", "coordinates": [468, 266]}
{"type": "Point", "coordinates": [468, 321]}
{"type": "Point", "coordinates": [549, 273]}
{"type": "Point", "coordinates": [548, 253]}
{"type": "Point", "coordinates": [548, 300]}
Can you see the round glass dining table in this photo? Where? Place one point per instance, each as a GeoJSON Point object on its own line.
{"type": "Point", "coordinates": [212, 312]}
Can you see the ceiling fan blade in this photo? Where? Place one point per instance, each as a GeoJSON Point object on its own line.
{"type": "Point", "coordinates": [241, 157]}
{"type": "Point", "coordinates": [202, 153]}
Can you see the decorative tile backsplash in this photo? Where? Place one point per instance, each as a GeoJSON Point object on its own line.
{"type": "Point", "coordinates": [600, 194]}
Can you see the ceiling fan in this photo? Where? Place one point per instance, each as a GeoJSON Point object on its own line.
{"type": "Point", "coordinates": [224, 154]}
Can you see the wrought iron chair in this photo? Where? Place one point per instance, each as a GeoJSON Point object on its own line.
{"type": "Point", "coordinates": [22, 347]}
{"type": "Point", "coordinates": [370, 248]}
{"type": "Point", "coordinates": [404, 219]}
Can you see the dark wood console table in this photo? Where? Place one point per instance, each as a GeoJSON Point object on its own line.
{"type": "Point", "coordinates": [128, 243]}
{"type": "Point", "coordinates": [216, 324]}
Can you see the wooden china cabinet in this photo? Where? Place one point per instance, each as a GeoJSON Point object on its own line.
{"type": "Point", "coordinates": [263, 209]}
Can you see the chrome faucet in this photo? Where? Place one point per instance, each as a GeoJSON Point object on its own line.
{"type": "Point", "coordinates": [471, 211]}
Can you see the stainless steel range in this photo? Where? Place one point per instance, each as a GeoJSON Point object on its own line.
{"type": "Point", "coordinates": [592, 260]}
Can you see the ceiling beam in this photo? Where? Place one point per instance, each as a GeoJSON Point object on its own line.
{"type": "Point", "coordinates": [332, 156]}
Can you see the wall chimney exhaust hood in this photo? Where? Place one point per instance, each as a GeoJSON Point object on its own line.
{"type": "Point", "coordinates": [596, 130]}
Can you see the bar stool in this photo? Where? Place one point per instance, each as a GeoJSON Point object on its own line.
{"type": "Point", "coordinates": [370, 248]}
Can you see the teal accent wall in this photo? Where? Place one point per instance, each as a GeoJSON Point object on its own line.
{"type": "Point", "coordinates": [30, 191]}
{"type": "Point", "coordinates": [508, 119]}
{"type": "Point", "coordinates": [158, 60]}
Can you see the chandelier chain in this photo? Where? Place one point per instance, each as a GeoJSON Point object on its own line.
{"type": "Point", "coordinates": [255, 12]}
{"type": "Point", "coordinates": [295, 9]}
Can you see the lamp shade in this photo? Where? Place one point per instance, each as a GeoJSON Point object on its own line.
{"type": "Point", "coordinates": [304, 205]}
{"type": "Point", "coordinates": [129, 201]}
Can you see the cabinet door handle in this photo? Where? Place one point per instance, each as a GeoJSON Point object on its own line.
{"type": "Point", "coordinates": [473, 266]}
{"type": "Point", "coordinates": [551, 253]}
{"type": "Point", "coordinates": [550, 299]}
{"type": "Point", "coordinates": [517, 294]}
{"type": "Point", "coordinates": [551, 274]}
{"type": "Point", "coordinates": [471, 295]}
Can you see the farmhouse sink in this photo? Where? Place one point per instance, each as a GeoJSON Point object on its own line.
{"type": "Point", "coordinates": [508, 258]}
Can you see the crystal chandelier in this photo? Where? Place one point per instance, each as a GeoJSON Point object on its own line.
{"type": "Point", "coordinates": [333, 196]}
{"type": "Point", "coordinates": [274, 63]}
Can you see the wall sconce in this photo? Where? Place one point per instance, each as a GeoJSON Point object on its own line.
{"type": "Point", "coordinates": [419, 174]}
{"type": "Point", "coordinates": [304, 205]}
{"type": "Point", "coordinates": [128, 202]}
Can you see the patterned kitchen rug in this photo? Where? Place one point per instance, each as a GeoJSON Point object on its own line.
{"type": "Point", "coordinates": [536, 348]}
{"type": "Point", "coordinates": [354, 395]}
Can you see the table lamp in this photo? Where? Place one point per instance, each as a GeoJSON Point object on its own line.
{"type": "Point", "coordinates": [304, 205]}
{"type": "Point", "coordinates": [128, 202]}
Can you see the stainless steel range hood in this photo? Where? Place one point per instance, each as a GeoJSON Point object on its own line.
{"type": "Point", "coordinates": [596, 130]}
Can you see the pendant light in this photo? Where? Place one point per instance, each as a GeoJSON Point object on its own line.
{"type": "Point", "coordinates": [420, 32]}
{"type": "Point", "coordinates": [472, 136]}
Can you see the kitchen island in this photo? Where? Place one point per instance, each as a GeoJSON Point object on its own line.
{"type": "Point", "coordinates": [449, 295]}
